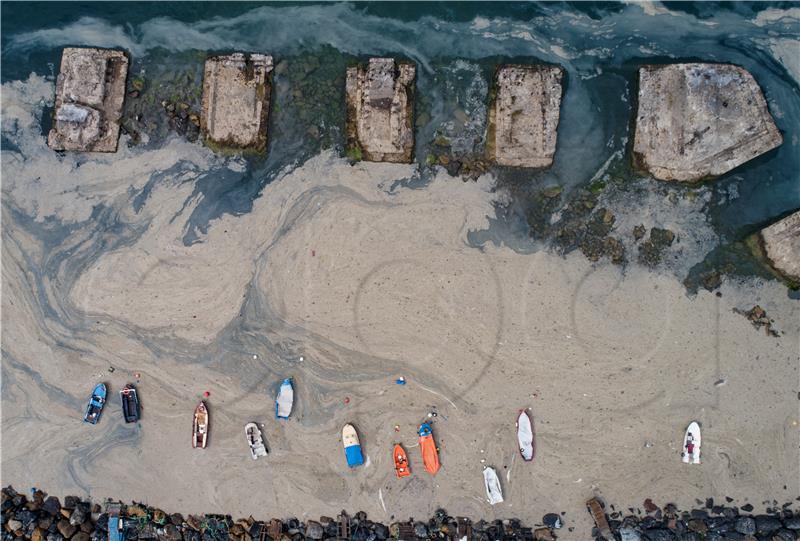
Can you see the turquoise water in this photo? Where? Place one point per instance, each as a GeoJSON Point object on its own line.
{"type": "Point", "coordinates": [456, 47]}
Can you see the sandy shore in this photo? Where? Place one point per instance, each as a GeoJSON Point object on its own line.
{"type": "Point", "coordinates": [365, 279]}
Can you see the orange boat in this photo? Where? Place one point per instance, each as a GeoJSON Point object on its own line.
{"type": "Point", "coordinates": [430, 456]}
{"type": "Point", "coordinates": [401, 462]}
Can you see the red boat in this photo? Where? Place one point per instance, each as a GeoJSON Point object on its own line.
{"type": "Point", "coordinates": [401, 462]}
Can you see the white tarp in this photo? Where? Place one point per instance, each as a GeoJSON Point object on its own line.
{"type": "Point", "coordinates": [493, 491]}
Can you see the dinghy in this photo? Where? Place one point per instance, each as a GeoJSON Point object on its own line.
{"type": "Point", "coordinates": [255, 441]}
{"type": "Point", "coordinates": [352, 447]}
{"type": "Point", "coordinates": [525, 435]}
{"type": "Point", "coordinates": [691, 444]}
{"type": "Point", "coordinates": [130, 403]}
{"type": "Point", "coordinates": [200, 426]}
{"type": "Point", "coordinates": [401, 462]}
{"type": "Point", "coordinates": [96, 403]}
{"type": "Point", "coordinates": [285, 399]}
{"type": "Point", "coordinates": [427, 445]}
{"type": "Point", "coordinates": [493, 491]}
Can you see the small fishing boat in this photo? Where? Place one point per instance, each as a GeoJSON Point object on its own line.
{"type": "Point", "coordinates": [493, 490]}
{"type": "Point", "coordinates": [200, 426]}
{"type": "Point", "coordinates": [427, 445]}
{"type": "Point", "coordinates": [352, 447]}
{"type": "Point", "coordinates": [130, 403]}
{"type": "Point", "coordinates": [254, 440]}
{"type": "Point", "coordinates": [525, 435]}
{"type": "Point", "coordinates": [691, 444]}
{"type": "Point", "coordinates": [284, 400]}
{"type": "Point", "coordinates": [116, 529]}
{"type": "Point", "coordinates": [96, 403]}
{"type": "Point", "coordinates": [401, 462]}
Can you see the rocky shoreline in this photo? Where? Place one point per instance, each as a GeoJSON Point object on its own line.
{"type": "Point", "coordinates": [46, 518]}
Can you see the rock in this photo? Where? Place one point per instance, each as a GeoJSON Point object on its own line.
{"type": "Point", "coordinates": [136, 511]}
{"type": "Point", "coordinates": [52, 505]}
{"type": "Point", "coordinates": [552, 520]}
{"type": "Point", "coordinates": [784, 535]}
{"type": "Point", "coordinates": [81, 536]}
{"type": "Point", "coordinates": [171, 533]}
{"type": "Point", "coordinates": [699, 120]}
{"type": "Point", "coordinates": [651, 250]}
{"type": "Point", "coordinates": [420, 530]}
{"type": "Point", "coordinates": [90, 91]}
{"type": "Point", "coordinates": [380, 109]}
{"type": "Point", "coordinates": [176, 519]}
{"type": "Point", "coordinates": [55, 537]}
{"type": "Point", "coordinates": [66, 529]}
{"type": "Point", "coordinates": [236, 97]}
{"type": "Point", "coordinates": [70, 502]}
{"type": "Point", "coordinates": [766, 524]}
{"type": "Point", "coordinates": [381, 531]}
{"type": "Point", "coordinates": [79, 515]}
{"type": "Point", "coordinates": [314, 530]}
{"type": "Point", "coordinates": [543, 534]}
{"type": "Point", "coordinates": [148, 531]}
{"type": "Point", "coordinates": [747, 507]}
{"type": "Point", "coordinates": [523, 117]}
{"type": "Point", "coordinates": [627, 533]}
{"type": "Point", "coordinates": [13, 525]}
{"type": "Point", "coordinates": [639, 232]}
{"type": "Point", "coordinates": [779, 246]}
{"type": "Point", "coordinates": [159, 516]}
{"type": "Point", "coordinates": [745, 525]}
{"type": "Point", "coordinates": [658, 534]}
{"type": "Point", "coordinates": [38, 535]}
{"type": "Point", "coordinates": [698, 525]}
{"type": "Point", "coordinates": [793, 523]}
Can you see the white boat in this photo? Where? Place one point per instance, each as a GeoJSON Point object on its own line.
{"type": "Point", "coordinates": [493, 490]}
{"type": "Point", "coordinates": [284, 400]}
{"type": "Point", "coordinates": [525, 435]}
{"type": "Point", "coordinates": [255, 441]}
{"type": "Point", "coordinates": [691, 444]}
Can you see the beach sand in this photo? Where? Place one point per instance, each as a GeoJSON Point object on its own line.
{"type": "Point", "coordinates": [346, 277]}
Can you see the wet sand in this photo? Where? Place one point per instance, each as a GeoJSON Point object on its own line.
{"type": "Point", "coordinates": [346, 277]}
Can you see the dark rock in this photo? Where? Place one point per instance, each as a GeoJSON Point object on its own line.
{"type": "Point", "coordinates": [191, 535]}
{"type": "Point", "coordinates": [745, 525]}
{"type": "Point", "coordinates": [658, 534]}
{"type": "Point", "coordinates": [45, 522]}
{"type": "Point", "coordinates": [148, 531]}
{"type": "Point", "coordinates": [628, 533]}
{"type": "Point", "coordinates": [651, 250]}
{"type": "Point", "coordinates": [298, 537]}
{"type": "Point", "coordinates": [719, 524]}
{"type": "Point", "coordinates": [785, 535]}
{"type": "Point", "coordinates": [699, 514]}
{"type": "Point", "coordinates": [709, 503]}
{"type": "Point", "coordinates": [766, 524]}
{"type": "Point", "coordinates": [79, 515]}
{"type": "Point", "coordinates": [639, 232]}
{"type": "Point", "coordinates": [381, 531]}
{"type": "Point", "coordinates": [314, 530]}
{"type": "Point", "coordinates": [55, 536]}
{"type": "Point", "coordinates": [52, 505]}
{"type": "Point", "coordinates": [70, 502]}
{"type": "Point", "coordinates": [793, 523]}
{"type": "Point", "coordinates": [176, 519]}
{"type": "Point", "coordinates": [552, 520]}
{"type": "Point", "coordinates": [81, 536]}
{"type": "Point", "coordinates": [748, 507]}
{"type": "Point", "coordinates": [87, 527]}
{"type": "Point", "coordinates": [66, 529]}
{"type": "Point", "coordinates": [697, 525]}
{"type": "Point", "coordinates": [420, 530]}
{"type": "Point", "coordinates": [649, 506]}
{"type": "Point", "coordinates": [171, 533]}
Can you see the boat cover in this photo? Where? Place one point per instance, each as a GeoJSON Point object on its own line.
{"type": "Point", "coordinates": [283, 404]}
{"type": "Point", "coordinates": [493, 490]}
{"type": "Point", "coordinates": [525, 435]}
{"type": "Point", "coordinates": [354, 456]}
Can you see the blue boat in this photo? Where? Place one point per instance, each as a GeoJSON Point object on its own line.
{"type": "Point", "coordinates": [116, 530]}
{"type": "Point", "coordinates": [96, 403]}
{"type": "Point", "coordinates": [284, 400]}
{"type": "Point", "coordinates": [352, 447]}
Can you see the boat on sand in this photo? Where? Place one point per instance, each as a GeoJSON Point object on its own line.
{"type": "Point", "coordinates": [525, 435]}
{"type": "Point", "coordinates": [494, 492]}
{"type": "Point", "coordinates": [401, 461]}
{"type": "Point", "coordinates": [96, 403]}
{"type": "Point", "coordinates": [691, 444]}
{"type": "Point", "coordinates": [427, 445]}
{"type": "Point", "coordinates": [130, 403]}
{"type": "Point", "coordinates": [255, 441]}
{"type": "Point", "coordinates": [200, 426]}
{"type": "Point", "coordinates": [284, 400]}
{"type": "Point", "coordinates": [352, 447]}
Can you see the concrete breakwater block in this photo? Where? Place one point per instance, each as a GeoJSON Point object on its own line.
{"type": "Point", "coordinates": [236, 95]}
{"type": "Point", "coordinates": [700, 120]}
{"type": "Point", "coordinates": [90, 91]}
{"type": "Point", "coordinates": [380, 111]}
{"type": "Point", "coordinates": [779, 245]}
{"type": "Point", "coordinates": [523, 115]}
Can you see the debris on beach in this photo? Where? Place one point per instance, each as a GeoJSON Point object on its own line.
{"type": "Point", "coordinates": [380, 110]}
{"type": "Point", "coordinates": [758, 317]}
{"type": "Point", "coordinates": [700, 120]}
{"type": "Point", "coordinates": [90, 91]}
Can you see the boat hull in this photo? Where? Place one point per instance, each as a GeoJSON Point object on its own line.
{"type": "Point", "coordinates": [692, 436]}
{"type": "Point", "coordinates": [96, 404]}
{"type": "Point", "coordinates": [200, 427]}
{"type": "Point", "coordinates": [427, 445]}
{"type": "Point", "coordinates": [352, 446]}
{"type": "Point", "coordinates": [401, 467]}
{"type": "Point", "coordinates": [130, 403]}
{"type": "Point", "coordinates": [525, 436]}
{"type": "Point", "coordinates": [285, 400]}
{"type": "Point", "coordinates": [255, 441]}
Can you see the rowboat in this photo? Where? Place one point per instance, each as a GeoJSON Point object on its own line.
{"type": "Point", "coordinates": [284, 400]}
{"type": "Point", "coordinates": [255, 441]}
{"type": "Point", "coordinates": [691, 444]}
{"type": "Point", "coordinates": [430, 455]}
{"type": "Point", "coordinates": [494, 492]}
{"type": "Point", "coordinates": [525, 435]}
{"type": "Point", "coordinates": [200, 426]}
{"type": "Point", "coordinates": [401, 462]}
{"type": "Point", "coordinates": [130, 403]}
{"type": "Point", "coordinates": [96, 403]}
{"type": "Point", "coordinates": [352, 447]}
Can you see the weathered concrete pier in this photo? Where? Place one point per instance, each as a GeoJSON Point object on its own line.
{"type": "Point", "coordinates": [523, 116]}
{"type": "Point", "coordinates": [236, 97]}
{"type": "Point", "coordinates": [90, 91]}
{"type": "Point", "coordinates": [380, 111]}
{"type": "Point", "coordinates": [779, 246]}
{"type": "Point", "coordinates": [700, 120]}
